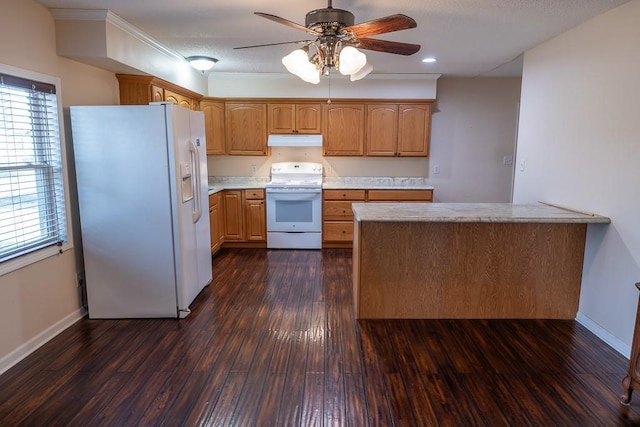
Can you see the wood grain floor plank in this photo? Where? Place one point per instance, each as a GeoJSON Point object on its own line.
{"type": "Point", "coordinates": [273, 341]}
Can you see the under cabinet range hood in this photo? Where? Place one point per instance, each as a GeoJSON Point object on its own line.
{"type": "Point", "coordinates": [295, 140]}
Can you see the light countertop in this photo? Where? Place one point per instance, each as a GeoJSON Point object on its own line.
{"type": "Point", "coordinates": [377, 183]}
{"type": "Point", "coordinates": [217, 184]}
{"type": "Point", "coordinates": [471, 212]}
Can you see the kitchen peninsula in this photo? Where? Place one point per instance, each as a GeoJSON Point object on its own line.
{"type": "Point", "coordinates": [467, 260]}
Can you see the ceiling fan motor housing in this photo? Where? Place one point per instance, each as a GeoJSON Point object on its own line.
{"type": "Point", "coordinates": [329, 19]}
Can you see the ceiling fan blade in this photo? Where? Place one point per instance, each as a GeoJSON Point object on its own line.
{"type": "Point", "coordinates": [288, 23]}
{"type": "Point", "coordinates": [274, 44]}
{"type": "Point", "coordinates": [383, 25]}
{"type": "Point", "coordinates": [388, 46]}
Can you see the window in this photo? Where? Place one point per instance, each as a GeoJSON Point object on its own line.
{"type": "Point", "coordinates": [32, 199]}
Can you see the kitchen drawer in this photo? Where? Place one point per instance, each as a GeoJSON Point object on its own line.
{"type": "Point", "coordinates": [337, 231]}
{"type": "Point", "coordinates": [400, 195]}
{"type": "Point", "coordinates": [254, 194]}
{"type": "Point", "coordinates": [344, 195]}
{"type": "Point", "coordinates": [337, 210]}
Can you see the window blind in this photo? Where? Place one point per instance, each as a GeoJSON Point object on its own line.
{"type": "Point", "coordinates": [32, 204]}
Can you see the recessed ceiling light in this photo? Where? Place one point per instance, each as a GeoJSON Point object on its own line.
{"type": "Point", "coordinates": [430, 59]}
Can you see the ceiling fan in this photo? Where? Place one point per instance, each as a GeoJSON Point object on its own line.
{"type": "Point", "coordinates": [337, 38]}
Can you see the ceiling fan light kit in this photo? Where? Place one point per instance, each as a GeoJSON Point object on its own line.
{"type": "Point", "coordinates": [297, 62]}
{"type": "Point", "coordinates": [351, 60]}
{"type": "Point", "coordinates": [364, 71]}
{"type": "Point", "coordinates": [337, 38]}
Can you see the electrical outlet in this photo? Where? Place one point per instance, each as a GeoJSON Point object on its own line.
{"type": "Point", "coordinates": [254, 169]}
{"type": "Point", "coordinates": [436, 169]}
{"type": "Point", "coordinates": [522, 165]}
{"type": "Point", "coordinates": [328, 169]}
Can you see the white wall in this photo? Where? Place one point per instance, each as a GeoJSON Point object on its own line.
{"type": "Point", "coordinates": [473, 128]}
{"type": "Point", "coordinates": [40, 300]}
{"type": "Point", "coordinates": [580, 143]}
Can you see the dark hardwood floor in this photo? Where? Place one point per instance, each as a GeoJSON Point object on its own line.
{"type": "Point", "coordinates": [273, 341]}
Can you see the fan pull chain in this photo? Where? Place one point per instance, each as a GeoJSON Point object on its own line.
{"type": "Point", "coordinates": [329, 98]}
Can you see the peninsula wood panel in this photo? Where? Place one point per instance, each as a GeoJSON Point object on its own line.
{"type": "Point", "coordinates": [425, 270]}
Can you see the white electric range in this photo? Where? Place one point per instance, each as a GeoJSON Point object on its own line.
{"type": "Point", "coordinates": [294, 206]}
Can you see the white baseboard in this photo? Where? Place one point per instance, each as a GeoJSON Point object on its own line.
{"type": "Point", "coordinates": [39, 340]}
{"type": "Point", "coordinates": [604, 335]}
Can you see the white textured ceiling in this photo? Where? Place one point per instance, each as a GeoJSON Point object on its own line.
{"type": "Point", "coordinates": [469, 37]}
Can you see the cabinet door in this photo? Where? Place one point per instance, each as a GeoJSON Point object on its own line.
{"type": "Point", "coordinates": [176, 98]}
{"type": "Point", "coordinates": [281, 118]}
{"type": "Point", "coordinates": [213, 212]}
{"type": "Point", "coordinates": [246, 128]}
{"type": "Point", "coordinates": [382, 129]}
{"type": "Point", "coordinates": [255, 220]}
{"type": "Point", "coordinates": [215, 223]}
{"type": "Point", "coordinates": [233, 215]}
{"type": "Point", "coordinates": [414, 125]}
{"type": "Point", "coordinates": [343, 129]}
{"type": "Point", "coordinates": [219, 220]}
{"type": "Point", "coordinates": [214, 125]}
{"type": "Point", "coordinates": [157, 93]}
{"type": "Point", "coordinates": [308, 118]}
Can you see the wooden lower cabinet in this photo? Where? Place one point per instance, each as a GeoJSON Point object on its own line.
{"type": "Point", "coordinates": [255, 216]}
{"type": "Point", "coordinates": [216, 222]}
{"type": "Point", "coordinates": [233, 215]}
{"type": "Point", "coordinates": [337, 216]}
{"type": "Point", "coordinates": [245, 219]}
{"type": "Point", "coordinates": [399, 196]}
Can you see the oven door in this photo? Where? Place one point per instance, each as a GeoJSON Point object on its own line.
{"type": "Point", "coordinates": [294, 210]}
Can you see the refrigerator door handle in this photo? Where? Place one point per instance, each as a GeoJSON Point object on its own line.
{"type": "Point", "coordinates": [197, 199]}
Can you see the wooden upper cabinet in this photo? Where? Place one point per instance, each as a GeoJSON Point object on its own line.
{"type": "Point", "coordinates": [294, 118]}
{"type": "Point", "coordinates": [343, 129]}
{"type": "Point", "coordinates": [382, 130]}
{"type": "Point", "coordinates": [157, 93]}
{"type": "Point", "coordinates": [246, 128]}
{"type": "Point", "coordinates": [414, 126]}
{"type": "Point", "coordinates": [214, 125]}
{"type": "Point", "coordinates": [308, 118]}
{"type": "Point", "coordinates": [176, 98]}
{"type": "Point", "coordinates": [282, 118]}
{"type": "Point", "coordinates": [141, 90]}
{"type": "Point", "coordinates": [398, 130]}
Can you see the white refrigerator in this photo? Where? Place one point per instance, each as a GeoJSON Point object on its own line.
{"type": "Point", "coordinates": [141, 175]}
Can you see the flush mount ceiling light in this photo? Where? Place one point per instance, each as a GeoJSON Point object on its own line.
{"type": "Point", "coordinates": [337, 42]}
{"type": "Point", "coordinates": [202, 63]}
{"type": "Point", "coordinates": [429, 60]}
